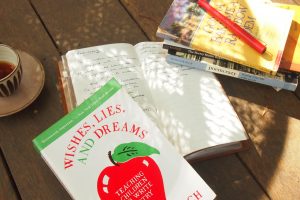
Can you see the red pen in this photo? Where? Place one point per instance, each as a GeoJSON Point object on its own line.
{"type": "Point", "coordinates": [233, 27]}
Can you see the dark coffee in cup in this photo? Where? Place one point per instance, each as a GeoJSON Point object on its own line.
{"type": "Point", "coordinates": [10, 70]}
{"type": "Point", "coordinates": [5, 69]}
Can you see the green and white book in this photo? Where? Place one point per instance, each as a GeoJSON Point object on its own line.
{"type": "Point", "coordinates": [107, 148]}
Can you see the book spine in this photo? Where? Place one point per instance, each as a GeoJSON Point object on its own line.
{"type": "Point", "coordinates": [176, 49]}
{"type": "Point", "coordinates": [198, 55]}
{"type": "Point", "coordinates": [279, 81]}
{"type": "Point", "coordinates": [191, 53]}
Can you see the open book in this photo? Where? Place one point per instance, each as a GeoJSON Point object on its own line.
{"type": "Point", "coordinates": [188, 105]}
{"type": "Point", "coordinates": [186, 23]}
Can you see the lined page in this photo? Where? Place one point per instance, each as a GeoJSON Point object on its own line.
{"type": "Point", "coordinates": [90, 68]}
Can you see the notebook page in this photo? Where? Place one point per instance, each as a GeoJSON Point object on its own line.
{"type": "Point", "coordinates": [192, 106]}
{"type": "Point", "coordinates": [90, 68]}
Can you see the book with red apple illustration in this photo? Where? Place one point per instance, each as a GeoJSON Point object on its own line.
{"type": "Point", "coordinates": [107, 148]}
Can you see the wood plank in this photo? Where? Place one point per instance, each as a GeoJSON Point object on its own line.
{"type": "Point", "coordinates": [7, 189]}
{"type": "Point", "coordinates": [229, 179]}
{"type": "Point", "coordinates": [284, 101]}
{"type": "Point", "coordinates": [147, 14]}
{"type": "Point", "coordinates": [273, 157]}
{"type": "Point", "coordinates": [97, 23]}
{"type": "Point", "coordinates": [21, 28]}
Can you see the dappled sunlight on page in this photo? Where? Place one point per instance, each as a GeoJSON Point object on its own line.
{"type": "Point", "coordinates": [190, 103]}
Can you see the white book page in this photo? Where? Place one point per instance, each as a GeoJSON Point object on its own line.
{"type": "Point", "coordinates": [192, 106]}
{"type": "Point", "coordinates": [90, 68]}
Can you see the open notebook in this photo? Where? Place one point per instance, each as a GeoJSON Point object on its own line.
{"type": "Point", "coordinates": [188, 105]}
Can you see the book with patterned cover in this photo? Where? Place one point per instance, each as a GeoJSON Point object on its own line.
{"type": "Point", "coordinates": [186, 23]}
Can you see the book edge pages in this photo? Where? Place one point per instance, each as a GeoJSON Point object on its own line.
{"type": "Point", "coordinates": [218, 151]}
{"type": "Point", "coordinates": [291, 86]}
{"type": "Point", "coordinates": [66, 86]}
{"type": "Point", "coordinates": [261, 79]}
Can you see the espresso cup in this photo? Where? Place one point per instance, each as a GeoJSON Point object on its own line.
{"type": "Point", "coordinates": [10, 70]}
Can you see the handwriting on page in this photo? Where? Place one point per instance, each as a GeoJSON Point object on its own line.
{"type": "Point", "coordinates": [90, 69]}
{"type": "Point", "coordinates": [153, 59]}
{"type": "Point", "coordinates": [102, 68]}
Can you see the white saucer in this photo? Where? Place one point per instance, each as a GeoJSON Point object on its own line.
{"type": "Point", "coordinates": [32, 83]}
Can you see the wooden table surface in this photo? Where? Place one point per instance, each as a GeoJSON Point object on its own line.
{"type": "Point", "coordinates": [48, 29]}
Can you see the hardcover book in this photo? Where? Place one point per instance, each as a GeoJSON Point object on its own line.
{"type": "Point", "coordinates": [188, 105]}
{"type": "Point", "coordinates": [186, 23]}
{"type": "Point", "coordinates": [108, 149]}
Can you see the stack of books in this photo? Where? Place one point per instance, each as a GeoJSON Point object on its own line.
{"type": "Point", "coordinates": [196, 39]}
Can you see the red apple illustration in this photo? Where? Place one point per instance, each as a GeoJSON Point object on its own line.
{"type": "Point", "coordinates": [134, 175]}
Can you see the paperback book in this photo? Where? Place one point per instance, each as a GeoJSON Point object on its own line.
{"type": "Point", "coordinates": [188, 105]}
{"type": "Point", "coordinates": [186, 23]}
{"type": "Point", "coordinates": [107, 148]}
{"type": "Point", "coordinates": [178, 54]}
